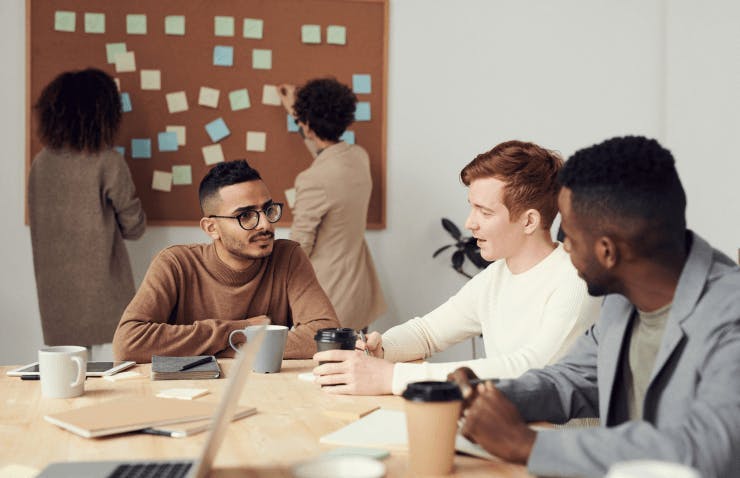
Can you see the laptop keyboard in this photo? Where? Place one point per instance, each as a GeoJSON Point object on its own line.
{"type": "Point", "coordinates": [151, 470]}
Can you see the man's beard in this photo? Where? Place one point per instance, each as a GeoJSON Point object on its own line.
{"type": "Point", "coordinates": [238, 246]}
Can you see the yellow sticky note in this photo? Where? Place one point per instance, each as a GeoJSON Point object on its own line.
{"type": "Point", "coordinates": [64, 21]}
{"type": "Point", "coordinates": [151, 80]}
{"type": "Point", "coordinates": [162, 181]}
{"type": "Point", "coordinates": [270, 95]}
{"type": "Point", "coordinates": [311, 33]}
{"type": "Point", "coordinates": [180, 131]}
{"type": "Point", "coordinates": [182, 174]}
{"type": "Point", "coordinates": [336, 35]}
{"type": "Point", "coordinates": [94, 22]}
{"type": "Point", "coordinates": [125, 62]}
{"type": "Point", "coordinates": [256, 141]}
{"type": "Point", "coordinates": [177, 102]}
{"type": "Point", "coordinates": [118, 377]}
{"type": "Point", "coordinates": [261, 59]}
{"type": "Point", "coordinates": [213, 154]}
{"type": "Point", "coordinates": [253, 28]}
{"type": "Point", "coordinates": [290, 197]}
{"type": "Point", "coordinates": [183, 393]}
{"type": "Point", "coordinates": [136, 24]}
{"type": "Point", "coordinates": [208, 97]}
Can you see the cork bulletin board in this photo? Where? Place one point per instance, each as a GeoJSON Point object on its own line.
{"type": "Point", "coordinates": [222, 57]}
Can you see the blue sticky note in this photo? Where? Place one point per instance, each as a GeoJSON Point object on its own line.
{"type": "Point", "coordinates": [223, 55]}
{"type": "Point", "coordinates": [121, 150]}
{"type": "Point", "coordinates": [217, 130]}
{"type": "Point", "coordinates": [292, 125]}
{"type": "Point", "coordinates": [362, 113]}
{"type": "Point", "coordinates": [141, 148]}
{"type": "Point", "coordinates": [361, 83]}
{"type": "Point", "coordinates": [167, 141]}
{"type": "Point", "coordinates": [125, 102]}
{"type": "Point", "coordinates": [348, 137]}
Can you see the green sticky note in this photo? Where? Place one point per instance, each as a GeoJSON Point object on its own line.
{"type": "Point", "coordinates": [253, 28]}
{"type": "Point", "coordinates": [182, 174]}
{"type": "Point", "coordinates": [261, 59]}
{"type": "Point", "coordinates": [239, 99]}
{"type": "Point", "coordinates": [94, 22]}
{"type": "Point", "coordinates": [174, 25]}
{"type": "Point", "coordinates": [311, 33]}
{"type": "Point", "coordinates": [336, 35]}
{"type": "Point", "coordinates": [136, 24]}
{"type": "Point", "coordinates": [64, 21]}
{"type": "Point", "coordinates": [113, 49]}
{"type": "Point", "coordinates": [223, 26]}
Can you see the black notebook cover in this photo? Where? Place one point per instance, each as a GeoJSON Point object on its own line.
{"type": "Point", "coordinates": [168, 368]}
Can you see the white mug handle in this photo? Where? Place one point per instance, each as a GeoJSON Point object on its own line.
{"type": "Point", "coordinates": [80, 372]}
{"type": "Point", "coordinates": [240, 331]}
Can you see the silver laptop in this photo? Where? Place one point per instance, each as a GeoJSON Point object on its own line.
{"type": "Point", "coordinates": [174, 468]}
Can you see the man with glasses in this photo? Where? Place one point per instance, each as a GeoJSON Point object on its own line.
{"type": "Point", "coordinates": [193, 296]}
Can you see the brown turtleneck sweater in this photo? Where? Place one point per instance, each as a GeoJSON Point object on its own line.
{"type": "Point", "coordinates": [190, 301]}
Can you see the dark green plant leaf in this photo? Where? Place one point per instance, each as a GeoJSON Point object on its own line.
{"type": "Point", "coordinates": [457, 260]}
{"type": "Point", "coordinates": [451, 228]}
{"type": "Point", "coordinates": [437, 252]}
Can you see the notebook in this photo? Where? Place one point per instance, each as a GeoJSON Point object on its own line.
{"type": "Point", "coordinates": [169, 368]}
{"type": "Point", "coordinates": [188, 468]}
{"type": "Point", "coordinates": [182, 430]}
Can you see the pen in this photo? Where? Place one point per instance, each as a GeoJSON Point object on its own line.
{"type": "Point", "coordinates": [362, 337]}
{"type": "Point", "coordinates": [154, 431]}
{"type": "Point", "coordinates": [188, 366]}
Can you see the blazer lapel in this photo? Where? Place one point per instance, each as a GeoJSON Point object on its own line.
{"type": "Point", "coordinates": [610, 351]}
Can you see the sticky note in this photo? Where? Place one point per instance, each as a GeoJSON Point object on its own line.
{"type": "Point", "coordinates": [217, 130]}
{"type": "Point", "coordinates": [125, 62]}
{"type": "Point", "coordinates": [256, 141]}
{"type": "Point", "coordinates": [113, 49]}
{"type": "Point", "coordinates": [253, 28]}
{"type": "Point", "coordinates": [182, 174]}
{"type": "Point", "coordinates": [361, 84]}
{"type": "Point", "coordinates": [362, 113]}
{"type": "Point", "coordinates": [121, 150]}
{"type": "Point", "coordinates": [213, 154]}
{"type": "Point", "coordinates": [151, 80]}
{"type": "Point", "coordinates": [64, 21]}
{"type": "Point", "coordinates": [141, 148]}
{"type": "Point", "coordinates": [290, 198]}
{"type": "Point", "coordinates": [125, 102]}
{"type": "Point", "coordinates": [174, 25]}
{"type": "Point", "coordinates": [162, 181]}
{"type": "Point", "coordinates": [223, 55]}
{"type": "Point", "coordinates": [208, 97]}
{"type": "Point", "coordinates": [223, 26]}
{"type": "Point", "coordinates": [336, 35]}
{"type": "Point", "coordinates": [270, 95]}
{"type": "Point", "coordinates": [136, 24]}
{"type": "Point", "coordinates": [122, 376]}
{"type": "Point", "coordinates": [348, 137]}
{"type": "Point", "coordinates": [167, 141]}
{"type": "Point", "coordinates": [183, 393]}
{"type": "Point", "coordinates": [94, 22]}
{"type": "Point", "coordinates": [239, 99]}
{"type": "Point", "coordinates": [180, 132]}
{"type": "Point", "coordinates": [177, 102]}
{"type": "Point", "coordinates": [261, 59]}
{"type": "Point", "coordinates": [311, 33]}
{"type": "Point", "coordinates": [292, 125]}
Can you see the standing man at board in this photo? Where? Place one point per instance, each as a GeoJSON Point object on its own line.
{"type": "Point", "coordinates": [331, 202]}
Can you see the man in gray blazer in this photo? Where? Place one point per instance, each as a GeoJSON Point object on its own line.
{"type": "Point", "coordinates": [661, 367]}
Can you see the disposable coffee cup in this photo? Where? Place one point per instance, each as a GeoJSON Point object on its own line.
{"type": "Point", "coordinates": [432, 410]}
{"type": "Point", "coordinates": [269, 357]}
{"type": "Point", "coordinates": [341, 338]}
{"type": "Point", "coordinates": [62, 371]}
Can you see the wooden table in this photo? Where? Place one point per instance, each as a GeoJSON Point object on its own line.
{"type": "Point", "coordinates": [286, 429]}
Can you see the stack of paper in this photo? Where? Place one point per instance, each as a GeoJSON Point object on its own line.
{"type": "Point", "coordinates": [170, 368]}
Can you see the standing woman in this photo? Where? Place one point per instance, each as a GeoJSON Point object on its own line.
{"type": "Point", "coordinates": [82, 204]}
{"type": "Point", "coordinates": [332, 197]}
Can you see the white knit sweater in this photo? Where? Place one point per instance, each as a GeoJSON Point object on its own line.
{"type": "Point", "coordinates": [527, 320]}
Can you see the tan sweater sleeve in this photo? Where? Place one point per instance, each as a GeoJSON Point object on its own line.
{"type": "Point", "coordinates": [144, 329]}
{"type": "Point", "coordinates": [309, 305]}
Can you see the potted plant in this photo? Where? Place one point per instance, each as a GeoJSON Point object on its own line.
{"type": "Point", "coordinates": [465, 247]}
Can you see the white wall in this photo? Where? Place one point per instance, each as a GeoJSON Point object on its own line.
{"type": "Point", "coordinates": [465, 75]}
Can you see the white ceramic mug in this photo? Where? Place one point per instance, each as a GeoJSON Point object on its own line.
{"type": "Point", "coordinates": [62, 370]}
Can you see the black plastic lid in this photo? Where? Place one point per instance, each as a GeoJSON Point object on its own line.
{"type": "Point", "coordinates": [432, 392]}
{"type": "Point", "coordinates": [343, 334]}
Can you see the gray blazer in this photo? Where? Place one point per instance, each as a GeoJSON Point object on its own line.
{"type": "Point", "coordinates": [692, 405]}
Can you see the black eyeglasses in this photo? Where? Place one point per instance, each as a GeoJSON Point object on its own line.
{"type": "Point", "coordinates": [250, 218]}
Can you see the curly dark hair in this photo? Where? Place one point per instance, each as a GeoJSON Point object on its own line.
{"type": "Point", "coordinates": [80, 110]}
{"type": "Point", "coordinates": [222, 175]}
{"type": "Point", "coordinates": [628, 186]}
{"type": "Point", "coordinates": [326, 106]}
